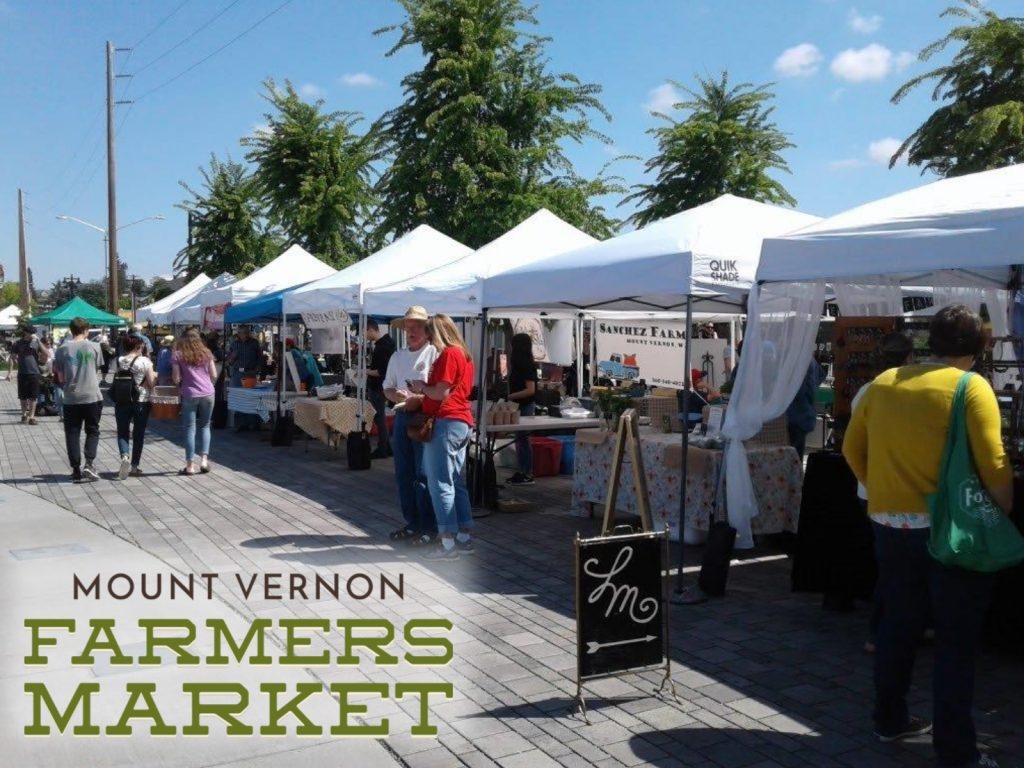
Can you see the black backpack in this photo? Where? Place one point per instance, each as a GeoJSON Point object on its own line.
{"type": "Point", "coordinates": [124, 390]}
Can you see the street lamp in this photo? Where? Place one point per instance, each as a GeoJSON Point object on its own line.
{"type": "Point", "coordinates": [106, 239]}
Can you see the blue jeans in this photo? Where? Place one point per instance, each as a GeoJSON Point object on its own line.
{"type": "Point", "coordinates": [443, 459]}
{"type": "Point", "coordinates": [523, 451]}
{"type": "Point", "coordinates": [136, 414]}
{"type": "Point", "coordinates": [913, 586]}
{"type": "Point", "coordinates": [412, 483]}
{"type": "Point", "coordinates": [195, 416]}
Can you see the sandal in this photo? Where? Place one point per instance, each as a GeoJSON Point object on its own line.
{"type": "Point", "coordinates": [187, 471]}
{"type": "Point", "coordinates": [402, 534]}
{"type": "Point", "coordinates": [422, 540]}
{"type": "Point", "coordinates": [204, 466]}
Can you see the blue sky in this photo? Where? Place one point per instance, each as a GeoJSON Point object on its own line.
{"type": "Point", "coordinates": [835, 64]}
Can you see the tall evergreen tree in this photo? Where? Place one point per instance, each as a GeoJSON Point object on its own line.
{"type": "Point", "coordinates": [479, 142]}
{"type": "Point", "coordinates": [314, 173]}
{"type": "Point", "coordinates": [229, 233]}
{"type": "Point", "coordinates": [727, 143]}
{"type": "Point", "coordinates": [980, 124]}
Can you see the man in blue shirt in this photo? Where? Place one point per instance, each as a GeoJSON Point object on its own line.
{"type": "Point", "coordinates": [244, 360]}
{"type": "Point", "coordinates": [802, 416]}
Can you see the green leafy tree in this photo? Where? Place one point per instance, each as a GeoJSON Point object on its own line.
{"type": "Point", "coordinates": [158, 289]}
{"type": "Point", "coordinates": [229, 231]}
{"type": "Point", "coordinates": [94, 292]}
{"type": "Point", "coordinates": [479, 142]}
{"type": "Point", "coordinates": [980, 125]}
{"type": "Point", "coordinates": [726, 144]}
{"type": "Point", "coordinates": [10, 293]}
{"type": "Point", "coordinates": [314, 173]}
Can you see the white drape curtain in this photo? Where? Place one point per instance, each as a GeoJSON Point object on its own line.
{"type": "Point", "coordinates": [783, 326]}
{"type": "Point", "coordinates": [950, 289]}
{"type": "Point", "coordinates": [878, 297]}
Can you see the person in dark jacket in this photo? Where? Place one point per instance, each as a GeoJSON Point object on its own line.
{"type": "Point", "coordinates": [801, 416]}
{"type": "Point", "coordinates": [383, 349]}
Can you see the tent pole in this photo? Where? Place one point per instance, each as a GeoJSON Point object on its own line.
{"type": "Point", "coordinates": [361, 382]}
{"type": "Point", "coordinates": [686, 441]}
{"type": "Point", "coordinates": [579, 355]}
{"type": "Point", "coordinates": [481, 398]}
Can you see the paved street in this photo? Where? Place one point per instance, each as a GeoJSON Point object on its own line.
{"type": "Point", "coordinates": [764, 677]}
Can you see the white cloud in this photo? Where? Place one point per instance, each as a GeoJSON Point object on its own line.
{"type": "Point", "coordinates": [312, 91]}
{"type": "Point", "coordinates": [663, 98]}
{"type": "Point", "coordinates": [873, 62]}
{"type": "Point", "coordinates": [882, 150]}
{"type": "Point", "coordinates": [799, 61]}
{"type": "Point", "coordinates": [904, 60]}
{"type": "Point", "coordinates": [842, 165]}
{"type": "Point", "coordinates": [863, 24]}
{"type": "Point", "coordinates": [360, 80]}
{"type": "Point", "coordinates": [877, 153]}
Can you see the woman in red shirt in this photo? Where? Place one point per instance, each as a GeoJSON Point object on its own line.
{"type": "Point", "coordinates": [446, 398]}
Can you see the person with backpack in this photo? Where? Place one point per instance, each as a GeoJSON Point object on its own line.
{"type": "Point", "coordinates": [134, 379]}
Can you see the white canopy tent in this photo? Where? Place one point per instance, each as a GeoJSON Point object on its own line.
{"type": "Point", "coordinates": [415, 253]}
{"type": "Point", "coordinates": [167, 303]}
{"type": "Point", "coordinates": [708, 254]}
{"type": "Point", "coordinates": [293, 267]}
{"type": "Point", "coordinates": [461, 288]}
{"type": "Point", "coordinates": [190, 311]}
{"type": "Point", "coordinates": [962, 235]}
{"type": "Point", "coordinates": [9, 317]}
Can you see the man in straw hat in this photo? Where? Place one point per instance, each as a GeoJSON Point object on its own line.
{"type": "Point", "coordinates": [411, 363]}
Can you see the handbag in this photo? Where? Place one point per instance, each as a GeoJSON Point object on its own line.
{"type": "Point", "coordinates": [420, 427]}
{"type": "Point", "coordinates": [968, 529]}
{"type": "Point", "coordinates": [718, 549]}
{"type": "Point", "coordinates": [357, 449]}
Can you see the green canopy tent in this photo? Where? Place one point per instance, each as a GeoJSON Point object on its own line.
{"type": "Point", "coordinates": [77, 307]}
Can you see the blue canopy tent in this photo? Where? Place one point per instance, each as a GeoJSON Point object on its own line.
{"type": "Point", "coordinates": [268, 308]}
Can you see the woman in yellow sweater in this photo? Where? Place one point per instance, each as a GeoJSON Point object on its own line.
{"type": "Point", "coordinates": [894, 446]}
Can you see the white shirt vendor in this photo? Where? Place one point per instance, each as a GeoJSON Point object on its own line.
{"type": "Point", "coordinates": [406, 365]}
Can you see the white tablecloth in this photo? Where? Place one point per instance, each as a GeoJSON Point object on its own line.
{"type": "Point", "coordinates": [261, 402]}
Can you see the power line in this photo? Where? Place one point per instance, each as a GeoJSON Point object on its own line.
{"type": "Point", "coordinates": [160, 23]}
{"type": "Point", "coordinates": [191, 35]}
{"type": "Point", "coordinates": [206, 58]}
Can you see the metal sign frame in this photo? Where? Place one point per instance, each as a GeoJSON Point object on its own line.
{"type": "Point", "coordinates": [627, 438]}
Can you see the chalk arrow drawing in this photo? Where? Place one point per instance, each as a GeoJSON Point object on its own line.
{"type": "Point", "coordinates": [593, 646]}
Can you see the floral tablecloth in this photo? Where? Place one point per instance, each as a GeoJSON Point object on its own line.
{"type": "Point", "coordinates": [328, 419]}
{"type": "Point", "coordinates": [776, 473]}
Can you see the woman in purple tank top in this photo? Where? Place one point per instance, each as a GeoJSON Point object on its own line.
{"type": "Point", "coordinates": [194, 371]}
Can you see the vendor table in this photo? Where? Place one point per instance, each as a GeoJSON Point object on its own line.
{"type": "Point", "coordinates": [776, 473]}
{"type": "Point", "coordinates": [261, 402]}
{"type": "Point", "coordinates": [491, 434]}
{"type": "Point", "coordinates": [329, 420]}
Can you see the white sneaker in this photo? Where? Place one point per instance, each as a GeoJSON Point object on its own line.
{"type": "Point", "coordinates": [126, 468]}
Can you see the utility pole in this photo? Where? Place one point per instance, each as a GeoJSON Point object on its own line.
{"type": "Point", "coordinates": [25, 298]}
{"type": "Point", "coordinates": [113, 292]}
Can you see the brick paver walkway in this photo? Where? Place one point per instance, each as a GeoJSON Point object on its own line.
{"type": "Point", "coordinates": [764, 677]}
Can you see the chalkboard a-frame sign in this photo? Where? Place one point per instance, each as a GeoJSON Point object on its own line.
{"type": "Point", "coordinates": [621, 602]}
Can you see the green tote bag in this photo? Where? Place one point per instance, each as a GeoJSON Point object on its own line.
{"type": "Point", "coordinates": [968, 528]}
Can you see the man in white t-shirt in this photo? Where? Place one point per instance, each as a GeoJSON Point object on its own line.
{"type": "Point", "coordinates": [410, 364]}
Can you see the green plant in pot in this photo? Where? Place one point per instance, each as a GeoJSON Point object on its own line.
{"type": "Point", "coordinates": [612, 405]}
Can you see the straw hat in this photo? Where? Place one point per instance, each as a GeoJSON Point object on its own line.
{"type": "Point", "coordinates": [412, 313]}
